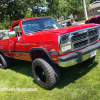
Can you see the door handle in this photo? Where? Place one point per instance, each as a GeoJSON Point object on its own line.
{"type": "Point", "coordinates": [26, 44]}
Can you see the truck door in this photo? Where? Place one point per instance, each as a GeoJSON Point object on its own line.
{"type": "Point", "coordinates": [16, 43]}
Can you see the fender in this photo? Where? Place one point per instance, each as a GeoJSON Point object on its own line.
{"type": "Point", "coordinates": [47, 53]}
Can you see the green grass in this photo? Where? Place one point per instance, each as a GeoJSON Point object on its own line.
{"type": "Point", "coordinates": [76, 83]}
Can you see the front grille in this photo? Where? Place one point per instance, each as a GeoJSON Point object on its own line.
{"type": "Point", "coordinates": [84, 38]}
{"type": "Point", "coordinates": [79, 37]}
{"type": "Point", "coordinates": [92, 33]}
{"type": "Point", "coordinates": [80, 44]}
{"type": "Point", "coordinates": [92, 40]}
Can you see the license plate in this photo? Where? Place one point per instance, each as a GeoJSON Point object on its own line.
{"type": "Point", "coordinates": [93, 53]}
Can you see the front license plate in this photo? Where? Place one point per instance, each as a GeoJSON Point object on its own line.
{"type": "Point", "coordinates": [93, 53]}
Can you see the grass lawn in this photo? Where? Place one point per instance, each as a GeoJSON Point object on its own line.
{"type": "Point", "coordinates": [5, 37]}
{"type": "Point", "coordinates": [76, 83]}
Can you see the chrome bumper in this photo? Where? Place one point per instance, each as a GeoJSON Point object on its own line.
{"type": "Point", "coordinates": [77, 57]}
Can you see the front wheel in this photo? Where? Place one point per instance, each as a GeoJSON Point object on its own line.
{"type": "Point", "coordinates": [45, 75]}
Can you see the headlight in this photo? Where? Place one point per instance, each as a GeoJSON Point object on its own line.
{"type": "Point", "coordinates": [65, 43]}
{"type": "Point", "coordinates": [64, 40]}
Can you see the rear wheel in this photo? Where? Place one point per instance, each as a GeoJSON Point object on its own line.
{"type": "Point", "coordinates": [45, 75]}
{"type": "Point", "coordinates": [4, 62]}
{"type": "Point", "coordinates": [89, 61]}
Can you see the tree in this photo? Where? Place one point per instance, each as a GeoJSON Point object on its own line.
{"type": "Point", "coordinates": [91, 1]}
{"type": "Point", "coordinates": [34, 5]}
{"type": "Point", "coordinates": [75, 6]}
{"type": "Point", "coordinates": [13, 11]}
{"type": "Point", "coordinates": [3, 3]}
{"type": "Point", "coordinates": [57, 8]}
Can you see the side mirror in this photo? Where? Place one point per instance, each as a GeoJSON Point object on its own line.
{"type": "Point", "coordinates": [12, 34]}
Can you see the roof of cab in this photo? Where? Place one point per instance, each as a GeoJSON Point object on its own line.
{"type": "Point", "coordinates": [27, 19]}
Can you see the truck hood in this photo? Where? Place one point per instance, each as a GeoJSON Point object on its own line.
{"type": "Point", "coordinates": [70, 28]}
{"type": "Point", "coordinates": [63, 30]}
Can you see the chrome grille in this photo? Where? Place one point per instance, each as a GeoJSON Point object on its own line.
{"type": "Point", "coordinates": [84, 38]}
{"type": "Point", "coordinates": [92, 40]}
{"type": "Point", "coordinates": [92, 33]}
{"type": "Point", "coordinates": [80, 44]}
{"type": "Point", "coordinates": [79, 37]}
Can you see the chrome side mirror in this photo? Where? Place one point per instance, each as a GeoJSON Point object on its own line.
{"type": "Point", "coordinates": [12, 34]}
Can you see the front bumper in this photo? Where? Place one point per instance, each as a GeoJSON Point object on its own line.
{"type": "Point", "coordinates": [77, 57]}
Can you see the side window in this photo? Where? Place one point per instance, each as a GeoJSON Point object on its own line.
{"type": "Point", "coordinates": [31, 28]}
{"type": "Point", "coordinates": [16, 28]}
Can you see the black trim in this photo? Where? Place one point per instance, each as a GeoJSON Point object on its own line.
{"type": "Point", "coordinates": [4, 50]}
{"type": "Point", "coordinates": [79, 54]}
{"type": "Point", "coordinates": [53, 52]}
{"type": "Point", "coordinates": [80, 57]}
{"type": "Point", "coordinates": [15, 51]}
{"type": "Point", "coordinates": [19, 51]}
{"type": "Point", "coordinates": [40, 48]}
{"type": "Point", "coordinates": [50, 52]}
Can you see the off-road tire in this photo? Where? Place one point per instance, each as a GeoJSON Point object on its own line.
{"type": "Point", "coordinates": [4, 61]}
{"type": "Point", "coordinates": [45, 74]}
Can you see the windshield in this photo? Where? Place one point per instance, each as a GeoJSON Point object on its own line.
{"type": "Point", "coordinates": [34, 25]}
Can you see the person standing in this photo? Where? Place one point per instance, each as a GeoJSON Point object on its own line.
{"type": "Point", "coordinates": [73, 22]}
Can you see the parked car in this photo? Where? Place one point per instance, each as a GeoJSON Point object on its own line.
{"type": "Point", "coordinates": [94, 19]}
{"type": "Point", "coordinates": [63, 24]}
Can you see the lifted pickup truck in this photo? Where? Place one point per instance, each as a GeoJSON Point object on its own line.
{"type": "Point", "coordinates": [42, 41]}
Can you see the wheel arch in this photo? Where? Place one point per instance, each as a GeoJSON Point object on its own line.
{"type": "Point", "coordinates": [33, 53]}
{"type": "Point", "coordinates": [1, 53]}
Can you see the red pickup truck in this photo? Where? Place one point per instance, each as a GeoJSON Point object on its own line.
{"type": "Point", "coordinates": [42, 41]}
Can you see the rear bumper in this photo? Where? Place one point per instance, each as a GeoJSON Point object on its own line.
{"type": "Point", "coordinates": [77, 57]}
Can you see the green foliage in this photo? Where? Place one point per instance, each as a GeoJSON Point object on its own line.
{"type": "Point", "coordinates": [12, 11]}
{"type": "Point", "coordinates": [15, 13]}
{"type": "Point", "coordinates": [28, 14]}
{"type": "Point", "coordinates": [34, 6]}
{"type": "Point", "coordinates": [91, 1]}
{"type": "Point", "coordinates": [87, 4]}
{"type": "Point", "coordinates": [17, 9]}
{"type": "Point", "coordinates": [57, 8]}
{"type": "Point", "coordinates": [76, 6]}
{"type": "Point", "coordinates": [5, 25]}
